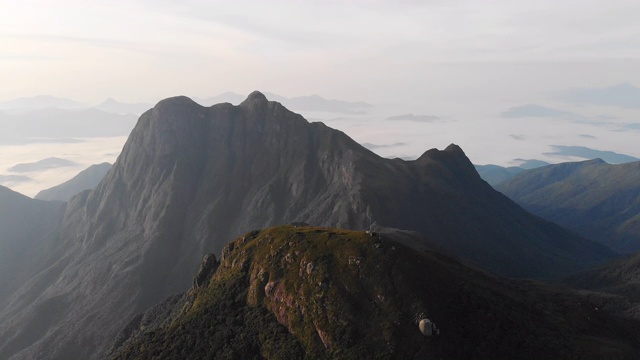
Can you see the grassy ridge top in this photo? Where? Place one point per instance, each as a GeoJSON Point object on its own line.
{"type": "Point", "coordinates": [305, 292]}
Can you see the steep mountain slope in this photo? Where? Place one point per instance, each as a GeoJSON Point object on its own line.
{"type": "Point", "coordinates": [85, 180]}
{"type": "Point", "coordinates": [27, 232]}
{"type": "Point", "coordinates": [597, 200]}
{"type": "Point", "coordinates": [494, 174]}
{"type": "Point", "coordinates": [190, 179]}
{"type": "Point", "coordinates": [620, 277]}
{"type": "Point", "coordinates": [294, 293]}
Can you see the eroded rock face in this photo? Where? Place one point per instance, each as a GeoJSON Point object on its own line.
{"type": "Point", "coordinates": [207, 269]}
{"type": "Point", "coordinates": [192, 178]}
{"type": "Point", "coordinates": [262, 303]}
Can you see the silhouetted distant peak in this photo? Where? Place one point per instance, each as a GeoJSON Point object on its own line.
{"type": "Point", "coordinates": [451, 151]}
{"type": "Point", "coordinates": [594, 161]}
{"type": "Point", "coordinates": [85, 180]}
{"type": "Point", "coordinates": [453, 148]}
{"type": "Point", "coordinates": [255, 97]}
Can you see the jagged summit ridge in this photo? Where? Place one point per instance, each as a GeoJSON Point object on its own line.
{"type": "Point", "coordinates": [192, 178]}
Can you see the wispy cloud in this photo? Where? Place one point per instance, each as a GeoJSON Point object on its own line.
{"type": "Point", "coordinates": [622, 95]}
{"type": "Point", "coordinates": [105, 43]}
{"type": "Point", "coordinates": [611, 157]}
{"type": "Point", "coordinates": [382, 146]}
{"type": "Point", "coordinates": [416, 118]}
{"type": "Point", "coordinates": [533, 110]}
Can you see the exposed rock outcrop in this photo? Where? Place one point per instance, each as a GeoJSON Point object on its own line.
{"type": "Point", "coordinates": [191, 178]}
{"type": "Point", "coordinates": [260, 304]}
{"type": "Point", "coordinates": [207, 269]}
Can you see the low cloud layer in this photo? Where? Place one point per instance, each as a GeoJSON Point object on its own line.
{"type": "Point", "coordinates": [533, 110]}
{"type": "Point", "coordinates": [416, 118]}
{"type": "Point", "coordinates": [587, 153]}
{"type": "Point", "coordinates": [622, 95]}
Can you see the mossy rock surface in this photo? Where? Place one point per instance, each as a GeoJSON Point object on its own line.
{"type": "Point", "coordinates": [304, 292]}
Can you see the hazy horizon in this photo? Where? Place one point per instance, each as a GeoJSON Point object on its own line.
{"type": "Point", "coordinates": [458, 72]}
{"type": "Point", "coordinates": [405, 246]}
{"type": "Point", "coordinates": [142, 51]}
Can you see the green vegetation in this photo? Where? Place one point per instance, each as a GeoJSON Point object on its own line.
{"type": "Point", "coordinates": [312, 293]}
{"type": "Point", "coordinates": [597, 200]}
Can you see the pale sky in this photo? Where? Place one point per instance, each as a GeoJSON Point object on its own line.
{"type": "Point", "coordinates": [464, 62]}
{"type": "Point", "coordinates": [354, 50]}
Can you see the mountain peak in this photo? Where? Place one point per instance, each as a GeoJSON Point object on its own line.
{"type": "Point", "coordinates": [176, 100]}
{"type": "Point", "coordinates": [452, 152]}
{"type": "Point", "coordinates": [453, 148]}
{"type": "Point", "coordinates": [256, 97]}
{"type": "Point", "coordinates": [190, 178]}
{"type": "Point", "coordinates": [594, 161]}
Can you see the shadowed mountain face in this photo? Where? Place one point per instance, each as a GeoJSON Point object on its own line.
{"type": "Point", "coordinates": [593, 198]}
{"type": "Point", "coordinates": [620, 277]}
{"type": "Point", "coordinates": [27, 233]}
{"type": "Point", "coordinates": [85, 180]}
{"type": "Point", "coordinates": [298, 293]}
{"type": "Point", "coordinates": [494, 174]}
{"type": "Point", "coordinates": [190, 179]}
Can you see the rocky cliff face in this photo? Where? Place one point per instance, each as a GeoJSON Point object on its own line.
{"type": "Point", "coordinates": [27, 235]}
{"type": "Point", "coordinates": [303, 292]}
{"type": "Point", "coordinates": [191, 178]}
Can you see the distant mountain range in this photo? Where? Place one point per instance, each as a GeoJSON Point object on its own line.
{"type": "Point", "coordinates": [28, 232]}
{"type": "Point", "coordinates": [85, 180]}
{"type": "Point", "coordinates": [39, 103]}
{"type": "Point", "coordinates": [51, 125]}
{"type": "Point", "coordinates": [593, 198]}
{"type": "Point", "coordinates": [587, 153]}
{"type": "Point", "coordinates": [299, 103]}
{"type": "Point", "coordinates": [116, 107]}
{"type": "Point", "coordinates": [495, 174]}
{"type": "Point", "coordinates": [227, 97]}
{"type": "Point", "coordinates": [191, 178]}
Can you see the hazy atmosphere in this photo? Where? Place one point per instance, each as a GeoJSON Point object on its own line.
{"type": "Point", "coordinates": [187, 180]}
{"type": "Point", "coordinates": [459, 68]}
